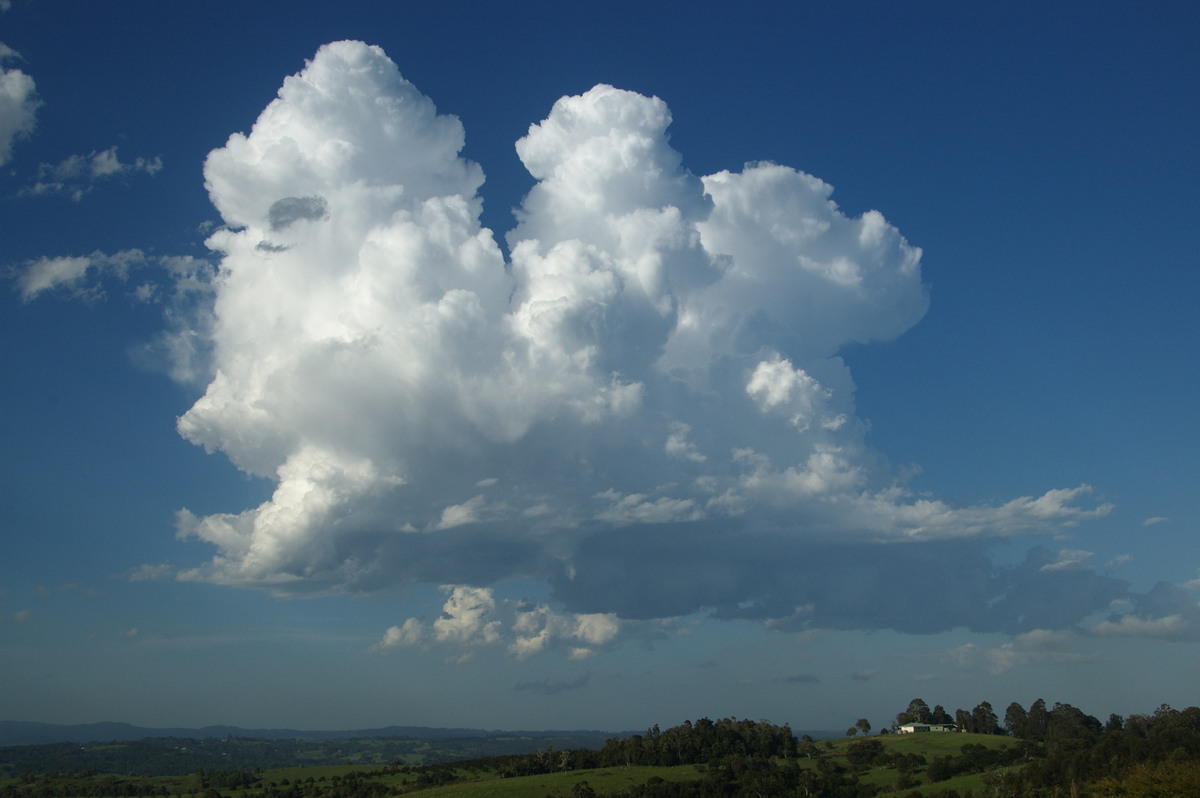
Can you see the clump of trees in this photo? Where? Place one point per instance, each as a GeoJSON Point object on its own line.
{"type": "Point", "coordinates": [1061, 747]}
{"type": "Point", "coordinates": [1081, 749]}
{"type": "Point", "coordinates": [861, 725]}
{"type": "Point", "coordinates": [980, 720]}
{"type": "Point", "coordinates": [700, 742]}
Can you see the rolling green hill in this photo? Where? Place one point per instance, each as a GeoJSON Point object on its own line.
{"type": "Point", "coordinates": [1062, 751]}
{"type": "Point", "coordinates": [857, 766]}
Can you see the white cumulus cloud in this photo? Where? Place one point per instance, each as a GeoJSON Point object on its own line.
{"type": "Point", "coordinates": [642, 405]}
{"type": "Point", "coordinates": [473, 618]}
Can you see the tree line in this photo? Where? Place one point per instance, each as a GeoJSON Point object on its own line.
{"type": "Point", "coordinates": [1052, 750]}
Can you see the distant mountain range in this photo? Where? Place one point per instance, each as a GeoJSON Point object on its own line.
{"type": "Point", "coordinates": [13, 732]}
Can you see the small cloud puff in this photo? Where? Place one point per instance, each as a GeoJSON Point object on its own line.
{"type": "Point", "coordinates": [473, 618]}
{"type": "Point", "coordinates": [18, 104]}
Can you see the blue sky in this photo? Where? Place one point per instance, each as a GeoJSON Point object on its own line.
{"type": "Point", "coordinates": [314, 415]}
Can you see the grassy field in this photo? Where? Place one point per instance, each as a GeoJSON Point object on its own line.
{"type": "Point", "coordinates": [480, 783]}
{"type": "Point", "coordinates": [933, 744]}
{"type": "Point", "coordinates": [928, 745]}
{"type": "Point", "coordinates": [602, 780]}
{"type": "Point", "coordinates": [608, 780]}
{"type": "Point", "coordinates": [315, 772]}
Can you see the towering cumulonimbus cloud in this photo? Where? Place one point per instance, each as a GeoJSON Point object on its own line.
{"type": "Point", "coordinates": [643, 405]}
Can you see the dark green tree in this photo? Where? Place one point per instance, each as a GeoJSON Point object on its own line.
{"type": "Point", "coordinates": [1016, 720]}
{"type": "Point", "coordinates": [984, 718]}
{"type": "Point", "coordinates": [1039, 721]}
{"type": "Point", "coordinates": [864, 752]}
{"type": "Point", "coordinates": [917, 712]}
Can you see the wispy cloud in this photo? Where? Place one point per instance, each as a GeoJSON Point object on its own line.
{"type": "Point", "coordinates": [85, 276]}
{"type": "Point", "coordinates": [1039, 645]}
{"type": "Point", "coordinates": [1070, 559]}
{"type": "Point", "coordinates": [1131, 625]}
{"type": "Point", "coordinates": [77, 276]}
{"type": "Point", "coordinates": [78, 175]}
{"type": "Point", "coordinates": [150, 573]}
{"type": "Point", "coordinates": [551, 687]}
{"type": "Point", "coordinates": [181, 285]}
